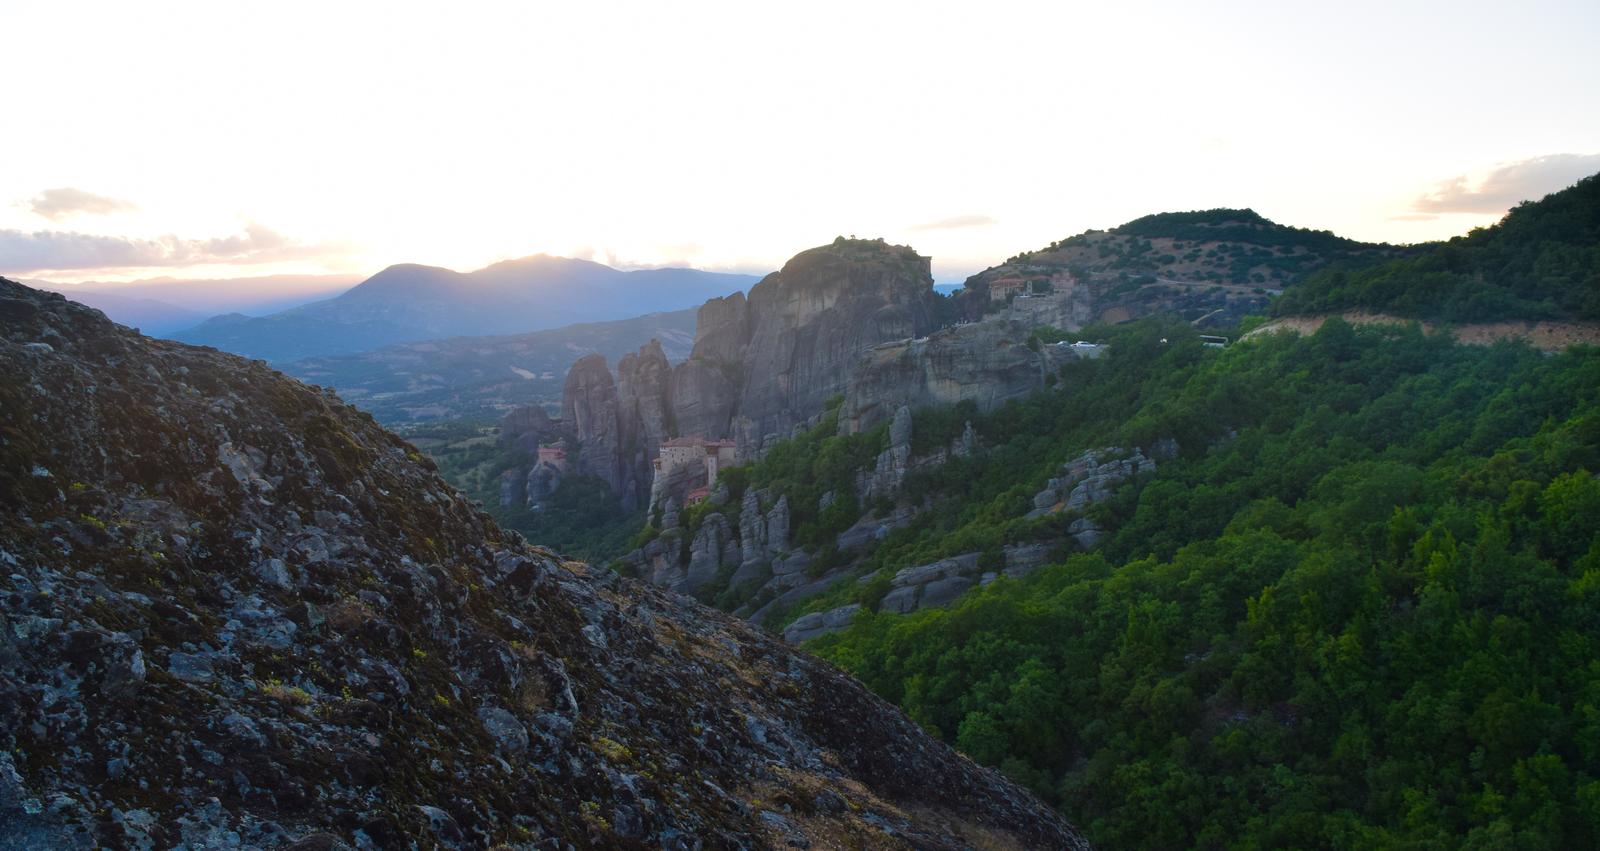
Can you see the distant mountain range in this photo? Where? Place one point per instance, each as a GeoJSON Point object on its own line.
{"type": "Point", "coordinates": [161, 306]}
{"type": "Point", "coordinates": [408, 302]}
{"type": "Point", "coordinates": [483, 377]}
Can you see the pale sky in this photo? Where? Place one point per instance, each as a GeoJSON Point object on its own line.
{"type": "Point", "coordinates": [215, 138]}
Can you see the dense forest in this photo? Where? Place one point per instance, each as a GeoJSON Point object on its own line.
{"type": "Point", "coordinates": [1362, 608]}
{"type": "Point", "coordinates": [1245, 226]}
{"type": "Point", "coordinates": [1542, 261]}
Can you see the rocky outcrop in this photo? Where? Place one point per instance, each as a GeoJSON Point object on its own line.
{"type": "Point", "coordinates": [1091, 478]}
{"type": "Point", "coordinates": [237, 613]}
{"type": "Point", "coordinates": [752, 528]}
{"type": "Point", "coordinates": [988, 363]}
{"type": "Point", "coordinates": [889, 469]}
{"type": "Point", "coordinates": [811, 321]}
{"type": "Point", "coordinates": [528, 427]}
{"type": "Point", "coordinates": [541, 483]}
{"type": "Point", "coordinates": [753, 549]}
{"type": "Point", "coordinates": [776, 541]}
{"type": "Point", "coordinates": [925, 586]}
{"type": "Point", "coordinates": [589, 411]}
{"type": "Point", "coordinates": [872, 528]}
{"type": "Point", "coordinates": [511, 488]}
{"type": "Point", "coordinates": [930, 584]}
{"type": "Point", "coordinates": [761, 367]}
{"type": "Point", "coordinates": [816, 624]}
{"type": "Point", "coordinates": [722, 330]}
{"type": "Point", "coordinates": [644, 416]}
{"type": "Point", "coordinates": [704, 395]}
{"type": "Point", "coordinates": [619, 424]}
{"type": "Point", "coordinates": [712, 547]}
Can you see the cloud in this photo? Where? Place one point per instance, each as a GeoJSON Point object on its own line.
{"type": "Point", "coordinates": [21, 251]}
{"type": "Point", "coordinates": [58, 204]}
{"type": "Point", "coordinates": [970, 220]}
{"type": "Point", "coordinates": [1413, 217]}
{"type": "Point", "coordinates": [1509, 184]}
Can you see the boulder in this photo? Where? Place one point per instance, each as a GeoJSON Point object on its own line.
{"type": "Point", "coordinates": [942, 592]}
{"type": "Point", "coordinates": [1024, 559]}
{"type": "Point", "coordinates": [807, 627]}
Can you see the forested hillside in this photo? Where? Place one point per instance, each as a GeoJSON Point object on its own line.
{"type": "Point", "coordinates": [1542, 261]}
{"type": "Point", "coordinates": [1361, 608]}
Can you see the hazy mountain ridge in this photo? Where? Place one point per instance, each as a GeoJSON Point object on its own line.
{"type": "Point", "coordinates": [183, 303]}
{"type": "Point", "coordinates": [482, 377]}
{"type": "Point", "coordinates": [149, 315]}
{"type": "Point", "coordinates": [236, 611]}
{"type": "Point", "coordinates": [409, 302]}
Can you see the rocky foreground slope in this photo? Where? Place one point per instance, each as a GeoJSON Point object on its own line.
{"type": "Point", "coordinates": [236, 612]}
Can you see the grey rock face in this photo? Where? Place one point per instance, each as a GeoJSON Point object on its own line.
{"type": "Point", "coordinates": [274, 572]}
{"type": "Point", "coordinates": [510, 488]}
{"type": "Point", "coordinates": [704, 395]}
{"type": "Point", "coordinates": [923, 574]}
{"type": "Point", "coordinates": [1093, 477]}
{"type": "Point", "coordinates": [543, 479]}
{"type": "Point", "coordinates": [900, 600]}
{"type": "Point", "coordinates": [528, 426]}
{"type": "Point", "coordinates": [706, 552]}
{"type": "Point", "coordinates": [589, 409]}
{"type": "Point", "coordinates": [644, 414]}
{"type": "Point", "coordinates": [1023, 559]}
{"type": "Point", "coordinates": [1086, 532]}
{"type": "Point", "coordinates": [722, 330]}
{"type": "Point", "coordinates": [807, 627]}
{"type": "Point", "coordinates": [508, 733]}
{"type": "Point", "coordinates": [777, 538]}
{"type": "Point", "coordinates": [900, 427]}
{"type": "Point", "coordinates": [760, 367]}
{"type": "Point", "coordinates": [752, 528]}
{"type": "Point", "coordinates": [190, 667]}
{"type": "Point", "coordinates": [889, 470]}
{"type": "Point", "coordinates": [988, 363]}
{"type": "Point", "coordinates": [1090, 478]}
{"type": "Point", "coordinates": [870, 528]}
{"type": "Point", "coordinates": [813, 320]}
{"type": "Point", "coordinates": [966, 444]}
{"type": "Point", "coordinates": [944, 591]}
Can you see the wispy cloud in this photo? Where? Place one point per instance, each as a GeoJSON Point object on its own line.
{"type": "Point", "coordinates": [969, 220]}
{"type": "Point", "coordinates": [1508, 184]}
{"type": "Point", "coordinates": [21, 251]}
{"type": "Point", "coordinates": [61, 203]}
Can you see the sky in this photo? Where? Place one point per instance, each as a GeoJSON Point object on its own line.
{"type": "Point", "coordinates": [227, 139]}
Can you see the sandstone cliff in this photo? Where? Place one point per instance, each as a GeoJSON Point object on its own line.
{"type": "Point", "coordinates": [237, 613]}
